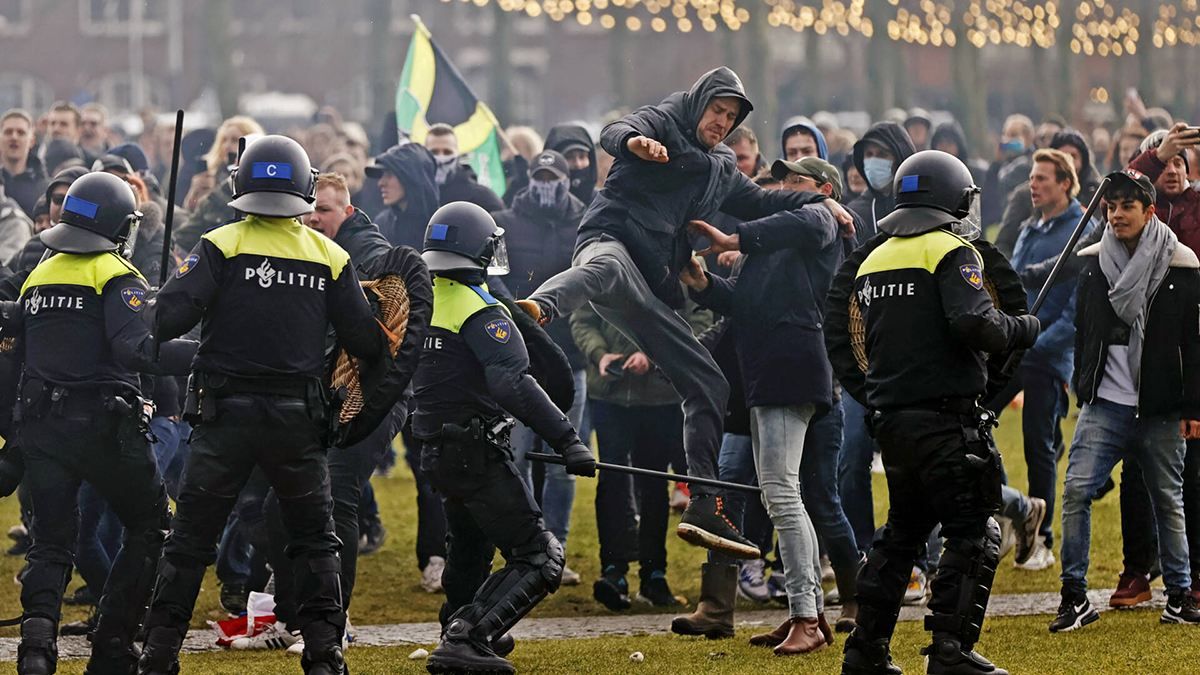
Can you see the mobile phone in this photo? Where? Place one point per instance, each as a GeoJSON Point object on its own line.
{"type": "Point", "coordinates": [615, 370]}
{"type": "Point", "coordinates": [1193, 131]}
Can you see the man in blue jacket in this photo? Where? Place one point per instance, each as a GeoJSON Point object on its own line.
{"type": "Point", "coordinates": [1046, 368]}
{"type": "Point", "coordinates": [670, 167]}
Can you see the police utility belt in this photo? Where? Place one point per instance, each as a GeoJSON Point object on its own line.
{"type": "Point", "coordinates": [973, 416]}
{"type": "Point", "coordinates": [39, 399]}
{"type": "Point", "coordinates": [205, 389]}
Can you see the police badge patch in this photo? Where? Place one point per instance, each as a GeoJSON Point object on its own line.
{"type": "Point", "coordinates": [134, 298]}
{"type": "Point", "coordinates": [972, 275]}
{"type": "Point", "coordinates": [188, 264]}
{"type": "Point", "coordinates": [499, 330]}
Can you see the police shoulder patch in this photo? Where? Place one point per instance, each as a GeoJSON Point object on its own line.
{"type": "Point", "coordinates": [134, 298]}
{"type": "Point", "coordinates": [499, 330]}
{"type": "Point", "coordinates": [972, 275]}
{"type": "Point", "coordinates": [188, 264]}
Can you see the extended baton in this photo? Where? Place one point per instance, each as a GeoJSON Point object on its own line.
{"type": "Point", "coordinates": [637, 471]}
{"type": "Point", "coordinates": [169, 219]}
{"type": "Point", "coordinates": [1011, 363]}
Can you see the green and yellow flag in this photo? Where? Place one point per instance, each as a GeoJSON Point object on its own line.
{"type": "Point", "coordinates": [431, 90]}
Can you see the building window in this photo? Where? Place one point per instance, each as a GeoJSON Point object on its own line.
{"type": "Point", "coordinates": [15, 16]}
{"type": "Point", "coordinates": [24, 91]}
{"type": "Point", "coordinates": [122, 17]}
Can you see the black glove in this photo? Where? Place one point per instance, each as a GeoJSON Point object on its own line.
{"type": "Point", "coordinates": [1027, 331]}
{"type": "Point", "coordinates": [580, 461]}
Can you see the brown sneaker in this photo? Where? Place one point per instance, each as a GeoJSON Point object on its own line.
{"type": "Point", "coordinates": [1132, 589]}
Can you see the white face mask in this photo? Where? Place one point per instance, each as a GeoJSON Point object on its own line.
{"type": "Point", "coordinates": [445, 166]}
{"type": "Point", "coordinates": [549, 193]}
{"type": "Point", "coordinates": [878, 172]}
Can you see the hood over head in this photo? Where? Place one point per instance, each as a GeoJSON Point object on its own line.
{"type": "Point", "coordinates": [889, 135]}
{"type": "Point", "coordinates": [1076, 140]}
{"type": "Point", "coordinates": [687, 107]}
{"type": "Point", "coordinates": [802, 122]}
{"type": "Point", "coordinates": [563, 137]}
{"type": "Point", "coordinates": [415, 167]}
{"type": "Point", "coordinates": [951, 131]}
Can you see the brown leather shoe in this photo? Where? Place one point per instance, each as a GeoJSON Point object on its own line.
{"type": "Point", "coordinates": [804, 637]}
{"type": "Point", "coordinates": [774, 637]}
{"type": "Point", "coordinates": [826, 631]}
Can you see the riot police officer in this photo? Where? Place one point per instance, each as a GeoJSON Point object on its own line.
{"type": "Point", "coordinates": [472, 376]}
{"type": "Point", "coordinates": [80, 416]}
{"type": "Point", "coordinates": [929, 325]}
{"type": "Point", "coordinates": [265, 288]}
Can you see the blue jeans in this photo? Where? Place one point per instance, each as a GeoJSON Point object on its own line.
{"type": "Point", "coordinates": [778, 434]}
{"type": "Point", "coordinates": [170, 450]}
{"type": "Point", "coordinates": [818, 484]}
{"type": "Point", "coordinates": [854, 473]}
{"type": "Point", "coordinates": [1105, 433]}
{"type": "Point", "coordinates": [558, 490]}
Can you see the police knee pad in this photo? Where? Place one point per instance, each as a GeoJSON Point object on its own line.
{"type": "Point", "coordinates": [160, 656]}
{"type": "Point", "coordinates": [546, 554]}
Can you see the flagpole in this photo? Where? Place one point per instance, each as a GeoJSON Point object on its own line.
{"type": "Point", "coordinates": [420, 26]}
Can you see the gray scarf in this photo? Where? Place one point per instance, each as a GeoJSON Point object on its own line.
{"type": "Point", "coordinates": [1132, 280]}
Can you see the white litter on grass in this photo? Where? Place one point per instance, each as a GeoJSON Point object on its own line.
{"type": "Point", "coordinates": [419, 654]}
{"type": "Point", "coordinates": [637, 657]}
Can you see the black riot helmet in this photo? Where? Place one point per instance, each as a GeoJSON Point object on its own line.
{"type": "Point", "coordinates": [274, 178]}
{"type": "Point", "coordinates": [99, 213]}
{"type": "Point", "coordinates": [463, 236]}
{"type": "Point", "coordinates": [933, 189]}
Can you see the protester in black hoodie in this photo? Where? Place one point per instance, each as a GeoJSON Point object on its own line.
{"type": "Point", "coordinates": [406, 181]}
{"type": "Point", "coordinates": [575, 144]}
{"type": "Point", "coordinates": [670, 167]}
{"type": "Point", "coordinates": [949, 137]}
{"type": "Point", "coordinates": [876, 155]}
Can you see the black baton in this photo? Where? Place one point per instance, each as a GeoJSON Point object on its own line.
{"type": "Point", "coordinates": [169, 219]}
{"type": "Point", "coordinates": [605, 466]}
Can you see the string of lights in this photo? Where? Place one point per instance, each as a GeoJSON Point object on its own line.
{"type": "Point", "coordinates": [1098, 27]}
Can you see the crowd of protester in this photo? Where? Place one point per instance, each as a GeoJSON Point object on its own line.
{"type": "Point", "coordinates": [817, 499]}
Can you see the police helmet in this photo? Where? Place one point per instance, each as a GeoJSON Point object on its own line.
{"type": "Point", "coordinates": [933, 189]}
{"type": "Point", "coordinates": [99, 213]}
{"type": "Point", "coordinates": [463, 236]}
{"type": "Point", "coordinates": [274, 178]}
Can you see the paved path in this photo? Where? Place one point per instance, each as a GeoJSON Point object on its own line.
{"type": "Point", "coordinates": [595, 626]}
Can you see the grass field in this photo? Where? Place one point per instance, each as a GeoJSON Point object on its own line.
{"type": "Point", "coordinates": [388, 592]}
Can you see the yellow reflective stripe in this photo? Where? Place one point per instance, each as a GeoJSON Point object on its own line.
{"type": "Point", "coordinates": [90, 270]}
{"type": "Point", "coordinates": [279, 238]}
{"type": "Point", "coordinates": [923, 252]}
{"type": "Point", "coordinates": [421, 80]}
{"type": "Point", "coordinates": [454, 303]}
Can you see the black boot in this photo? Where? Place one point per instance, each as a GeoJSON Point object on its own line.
{"type": "Point", "coordinates": [504, 645]}
{"type": "Point", "coordinates": [459, 652]}
{"type": "Point", "coordinates": [112, 655]}
{"type": "Point", "coordinates": [704, 524]}
{"type": "Point", "coordinates": [38, 652]}
{"type": "Point", "coordinates": [868, 658]}
{"type": "Point", "coordinates": [161, 654]}
{"type": "Point", "coordinates": [950, 657]}
{"type": "Point", "coordinates": [323, 648]}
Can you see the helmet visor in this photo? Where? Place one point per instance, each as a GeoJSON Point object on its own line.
{"type": "Point", "coordinates": [971, 225]}
{"type": "Point", "coordinates": [135, 221]}
{"type": "Point", "coordinates": [498, 265]}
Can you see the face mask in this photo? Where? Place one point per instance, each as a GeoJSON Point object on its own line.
{"type": "Point", "coordinates": [445, 166]}
{"type": "Point", "coordinates": [878, 172]}
{"type": "Point", "coordinates": [1013, 147]}
{"type": "Point", "coordinates": [548, 193]}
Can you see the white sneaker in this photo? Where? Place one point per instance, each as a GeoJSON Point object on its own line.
{"type": "Point", "coordinates": [276, 636]}
{"type": "Point", "coordinates": [1008, 537]}
{"type": "Point", "coordinates": [570, 577]}
{"type": "Point", "coordinates": [918, 584]}
{"type": "Point", "coordinates": [297, 648]}
{"type": "Point", "coordinates": [752, 582]}
{"type": "Point", "coordinates": [1041, 558]}
{"type": "Point", "coordinates": [431, 576]}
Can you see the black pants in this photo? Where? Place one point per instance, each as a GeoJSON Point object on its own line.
{"type": "Point", "coordinates": [280, 436]}
{"type": "Point", "coordinates": [939, 470]}
{"type": "Point", "coordinates": [647, 435]}
{"type": "Point", "coordinates": [487, 506]}
{"type": "Point", "coordinates": [349, 470]}
{"type": "Point", "coordinates": [1139, 538]}
{"type": "Point", "coordinates": [83, 441]}
{"type": "Point", "coordinates": [431, 517]}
